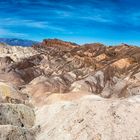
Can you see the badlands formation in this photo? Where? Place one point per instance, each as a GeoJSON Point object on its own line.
{"type": "Point", "coordinates": [59, 90]}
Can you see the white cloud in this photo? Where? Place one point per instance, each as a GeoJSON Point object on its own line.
{"type": "Point", "coordinates": [22, 22]}
{"type": "Point", "coordinates": [98, 18]}
{"type": "Point", "coordinates": [6, 32]}
{"type": "Point", "coordinates": [11, 22]}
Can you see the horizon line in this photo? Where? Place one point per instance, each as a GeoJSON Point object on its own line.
{"type": "Point", "coordinates": [66, 40]}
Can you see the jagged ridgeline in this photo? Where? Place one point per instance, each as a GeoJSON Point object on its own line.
{"type": "Point", "coordinates": [80, 83]}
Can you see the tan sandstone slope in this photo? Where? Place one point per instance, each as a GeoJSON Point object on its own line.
{"type": "Point", "coordinates": [61, 90]}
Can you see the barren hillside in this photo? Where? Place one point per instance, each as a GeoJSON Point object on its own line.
{"type": "Point", "coordinates": [62, 90]}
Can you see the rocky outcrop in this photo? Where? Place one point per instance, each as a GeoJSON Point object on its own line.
{"type": "Point", "coordinates": [17, 116]}
{"type": "Point", "coordinates": [10, 94]}
{"type": "Point", "coordinates": [16, 53]}
{"type": "Point", "coordinates": [11, 132]}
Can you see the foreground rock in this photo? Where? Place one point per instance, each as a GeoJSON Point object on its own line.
{"type": "Point", "coordinates": [90, 118]}
{"type": "Point", "coordinates": [10, 132]}
{"type": "Point", "coordinates": [17, 115]}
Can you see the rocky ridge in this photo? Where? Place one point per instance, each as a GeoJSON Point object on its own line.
{"type": "Point", "coordinates": [61, 90]}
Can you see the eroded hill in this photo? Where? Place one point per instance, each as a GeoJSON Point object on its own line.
{"type": "Point", "coordinates": [55, 78]}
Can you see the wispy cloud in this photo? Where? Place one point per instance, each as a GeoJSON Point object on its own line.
{"type": "Point", "coordinates": [22, 22]}
{"type": "Point", "coordinates": [66, 18]}
{"type": "Point", "coordinates": [12, 22]}
{"type": "Point", "coordinates": [6, 32]}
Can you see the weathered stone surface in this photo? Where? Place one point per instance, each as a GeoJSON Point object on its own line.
{"type": "Point", "coordinates": [10, 132]}
{"type": "Point", "coordinates": [16, 53]}
{"type": "Point", "coordinates": [10, 94]}
{"type": "Point", "coordinates": [16, 114]}
{"type": "Point", "coordinates": [90, 118]}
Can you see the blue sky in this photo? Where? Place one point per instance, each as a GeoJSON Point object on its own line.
{"type": "Point", "coordinates": [81, 21]}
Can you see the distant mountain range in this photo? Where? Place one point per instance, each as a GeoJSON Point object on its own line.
{"type": "Point", "coordinates": [17, 42]}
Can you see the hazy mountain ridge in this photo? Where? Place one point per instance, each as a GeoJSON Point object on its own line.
{"type": "Point", "coordinates": [78, 90]}
{"type": "Point", "coordinates": [18, 42]}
